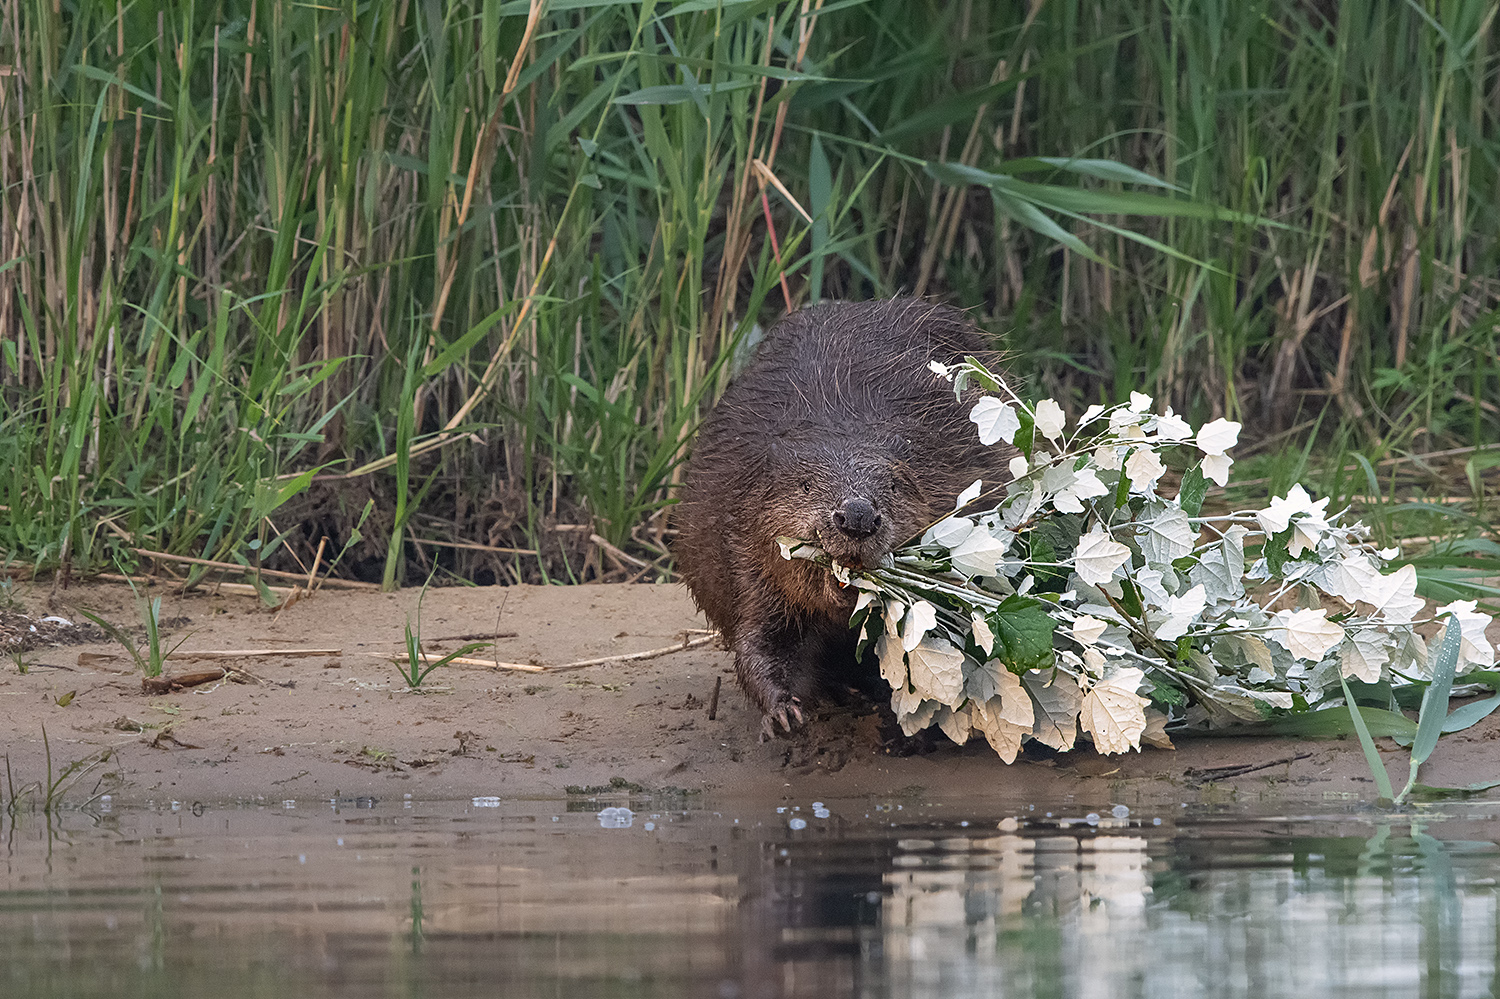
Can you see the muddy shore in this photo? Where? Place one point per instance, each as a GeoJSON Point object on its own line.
{"type": "Point", "coordinates": [321, 711]}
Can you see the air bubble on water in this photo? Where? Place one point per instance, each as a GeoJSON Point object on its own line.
{"type": "Point", "coordinates": [301, 858]}
{"type": "Point", "coordinates": [1156, 821]}
{"type": "Point", "coordinates": [289, 803]}
{"type": "Point", "coordinates": [485, 802]}
{"type": "Point", "coordinates": [649, 826]}
{"type": "Point", "coordinates": [1092, 818]}
{"type": "Point", "coordinates": [1120, 812]}
{"type": "Point", "coordinates": [616, 817]}
{"type": "Point", "coordinates": [820, 812]}
{"type": "Point", "coordinates": [798, 823]}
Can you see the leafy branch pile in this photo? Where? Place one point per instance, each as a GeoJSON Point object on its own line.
{"type": "Point", "coordinates": [1078, 599]}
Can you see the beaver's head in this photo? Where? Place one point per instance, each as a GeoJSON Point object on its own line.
{"type": "Point", "coordinates": [849, 492]}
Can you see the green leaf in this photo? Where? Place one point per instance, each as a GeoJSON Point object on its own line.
{"type": "Point", "coordinates": [1328, 723]}
{"type": "Point", "coordinates": [1054, 540]}
{"type": "Point", "coordinates": [1026, 435]}
{"type": "Point", "coordinates": [1277, 552]}
{"type": "Point", "coordinates": [1435, 701]}
{"type": "Point", "coordinates": [1130, 598]}
{"type": "Point", "coordinates": [1165, 693]}
{"type": "Point", "coordinates": [1372, 755]}
{"type": "Point", "coordinates": [679, 93]}
{"type": "Point", "coordinates": [1467, 715]}
{"type": "Point", "coordinates": [1102, 169]}
{"type": "Point", "coordinates": [1023, 633]}
{"type": "Point", "coordinates": [1194, 488]}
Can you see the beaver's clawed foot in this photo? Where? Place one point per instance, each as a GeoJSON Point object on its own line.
{"type": "Point", "coordinates": [787, 711]}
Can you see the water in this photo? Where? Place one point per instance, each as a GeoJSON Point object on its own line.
{"type": "Point", "coordinates": [671, 898]}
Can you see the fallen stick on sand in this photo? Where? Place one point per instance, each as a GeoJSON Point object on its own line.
{"type": "Point", "coordinates": [682, 646]}
{"type": "Point", "coordinates": [301, 577]}
{"type": "Point", "coordinates": [220, 654]}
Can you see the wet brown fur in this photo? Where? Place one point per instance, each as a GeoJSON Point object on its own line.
{"type": "Point", "coordinates": [838, 402]}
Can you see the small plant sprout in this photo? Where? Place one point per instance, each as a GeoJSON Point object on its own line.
{"type": "Point", "coordinates": [416, 665]}
{"type": "Point", "coordinates": [147, 659]}
{"type": "Point", "coordinates": [1078, 600]}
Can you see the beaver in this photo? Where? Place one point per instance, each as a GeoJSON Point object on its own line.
{"type": "Point", "coordinates": [837, 432]}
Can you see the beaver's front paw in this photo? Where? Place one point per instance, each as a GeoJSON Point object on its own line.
{"type": "Point", "coordinates": [785, 709]}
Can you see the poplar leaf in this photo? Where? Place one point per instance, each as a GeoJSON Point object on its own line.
{"type": "Point", "coordinates": [936, 670]}
{"type": "Point", "coordinates": [983, 637]}
{"type": "Point", "coordinates": [1167, 536]}
{"type": "Point", "coordinates": [1156, 730]}
{"type": "Point", "coordinates": [979, 554]}
{"type": "Point", "coordinates": [996, 420]}
{"type": "Point", "coordinates": [1143, 468]}
{"type": "Point", "coordinates": [1055, 699]}
{"type": "Point", "coordinates": [1004, 738]}
{"type": "Point", "coordinates": [1098, 556]}
{"type": "Point", "coordinates": [919, 621]}
{"type": "Point", "coordinates": [1049, 419]}
{"type": "Point", "coordinates": [1086, 629]}
{"type": "Point", "coordinates": [1364, 654]}
{"type": "Point", "coordinates": [1309, 634]}
{"type": "Point", "coordinates": [955, 723]}
{"type": "Point", "coordinates": [1113, 713]}
{"type": "Point", "coordinates": [1221, 568]}
{"type": "Point", "coordinates": [892, 661]}
{"type": "Point", "coordinates": [1474, 648]}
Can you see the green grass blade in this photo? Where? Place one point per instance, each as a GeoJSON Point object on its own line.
{"type": "Point", "coordinates": [1367, 744]}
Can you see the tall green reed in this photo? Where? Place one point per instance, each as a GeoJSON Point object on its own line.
{"type": "Point", "coordinates": [493, 261]}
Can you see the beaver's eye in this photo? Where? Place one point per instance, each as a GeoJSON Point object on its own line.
{"type": "Point", "coordinates": [806, 486]}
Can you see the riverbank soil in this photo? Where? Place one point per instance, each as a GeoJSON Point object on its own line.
{"type": "Point", "coordinates": [314, 706]}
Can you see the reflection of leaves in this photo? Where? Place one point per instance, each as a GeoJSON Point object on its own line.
{"type": "Point", "coordinates": [1023, 629]}
{"type": "Point", "coordinates": [1113, 713]}
{"type": "Point", "coordinates": [1055, 698]}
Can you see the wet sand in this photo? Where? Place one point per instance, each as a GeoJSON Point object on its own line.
{"type": "Point", "coordinates": [341, 722]}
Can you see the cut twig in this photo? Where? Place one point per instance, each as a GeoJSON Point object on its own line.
{"type": "Point", "coordinates": [596, 539]}
{"type": "Point", "coordinates": [166, 684]}
{"type": "Point", "coordinates": [472, 546]}
{"type": "Point", "coordinates": [90, 658]}
{"type": "Point", "coordinates": [1201, 776]}
{"type": "Point", "coordinates": [299, 577]}
{"type": "Point", "coordinates": [682, 646]}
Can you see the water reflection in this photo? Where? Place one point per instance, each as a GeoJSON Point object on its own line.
{"type": "Point", "coordinates": [617, 897]}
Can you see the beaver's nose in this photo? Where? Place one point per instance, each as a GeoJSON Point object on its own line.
{"type": "Point", "coordinates": [857, 518]}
